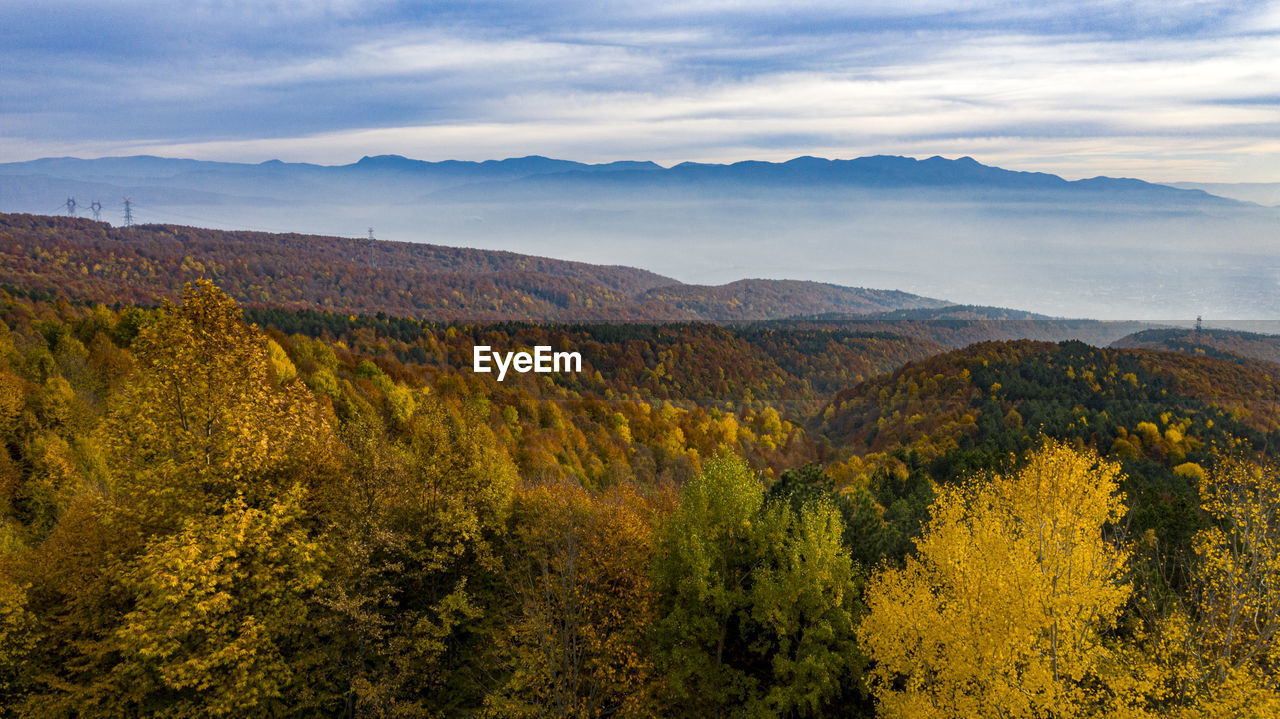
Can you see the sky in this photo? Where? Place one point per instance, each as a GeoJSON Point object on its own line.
{"type": "Point", "coordinates": [1165, 90]}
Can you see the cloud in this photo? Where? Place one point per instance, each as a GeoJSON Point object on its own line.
{"type": "Point", "coordinates": [1095, 87]}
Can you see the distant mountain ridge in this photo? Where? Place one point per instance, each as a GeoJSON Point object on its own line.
{"type": "Point", "coordinates": [1261, 193]}
{"type": "Point", "coordinates": [886, 171]}
{"type": "Point", "coordinates": [28, 186]}
{"type": "Point", "coordinates": [1102, 247]}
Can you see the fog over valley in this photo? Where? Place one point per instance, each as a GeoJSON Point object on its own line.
{"type": "Point", "coordinates": [954, 229]}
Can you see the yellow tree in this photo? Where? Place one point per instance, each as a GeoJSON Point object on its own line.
{"type": "Point", "coordinates": [17, 639]}
{"type": "Point", "coordinates": [1004, 609]}
{"type": "Point", "coordinates": [200, 439]}
{"type": "Point", "coordinates": [218, 622]}
{"type": "Point", "coordinates": [1222, 650]}
{"type": "Point", "coordinates": [203, 419]}
{"type": "Point", "coordinates": [411, 532]}
{"type": "Point", "coordinates": [578, 564]}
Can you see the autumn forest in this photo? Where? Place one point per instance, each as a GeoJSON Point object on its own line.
{"type": "Point", "coordinates": [235, 485]}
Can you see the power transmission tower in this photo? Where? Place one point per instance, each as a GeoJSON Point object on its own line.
{"type": "Point", "coordinates": [96, 207]}
{"type": "Point", "coordinates": [128, 212]}
{"type": "Point", "coordinates": [1199, 327]}
{"type": "Point", "coordinates": [71, 207]}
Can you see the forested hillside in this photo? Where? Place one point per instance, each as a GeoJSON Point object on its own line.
{"type": "Point", "coordinates": [143, 264]}
{"type": "Point", "coordinates": [759, 299]}
{"type": "Point", "coordinates": [1207, 342]}
{"type": "Point", "coordinates": [330, 515]}
{"type": "Point", "coordinates": [1164, 417]}
{"type": "Point", "coordinates": [958, 326]}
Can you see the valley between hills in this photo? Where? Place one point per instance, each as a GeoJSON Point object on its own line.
{"type": "Point", "coordinates": [284, 432]}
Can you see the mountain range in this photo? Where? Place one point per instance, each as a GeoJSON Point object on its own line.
{"type": "Point", "coordinates": [1109, 248]}
{"type": "Point", "coordinates": [157, 181]}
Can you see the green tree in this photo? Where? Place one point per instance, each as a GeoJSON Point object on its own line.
{"type": "Point", "coordinates": [756, 603]}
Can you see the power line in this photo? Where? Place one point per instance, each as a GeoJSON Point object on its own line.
{"type": "Point", "coordinates": [166, 215]}
{"type": "Point", "coordinates": [129, 206]}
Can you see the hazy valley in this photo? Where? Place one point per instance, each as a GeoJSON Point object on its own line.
{"type": "Point", "coordinates": [1102, 248]}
